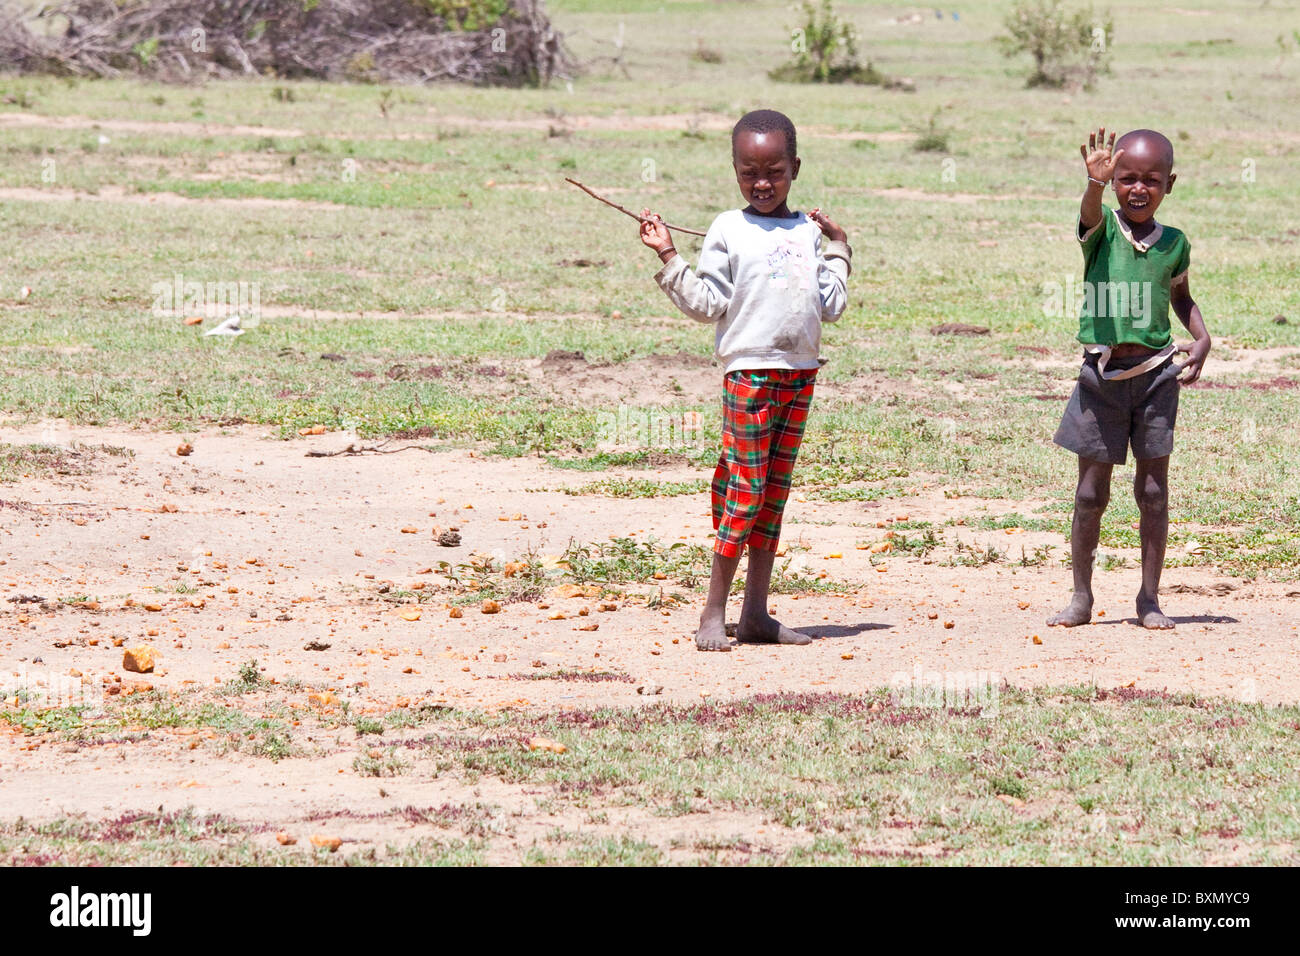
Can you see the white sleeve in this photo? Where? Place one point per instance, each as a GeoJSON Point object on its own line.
{"type": "Point", "coordinates": [704, 294]}
{"type": "Point", "coordinates": [832, 279]}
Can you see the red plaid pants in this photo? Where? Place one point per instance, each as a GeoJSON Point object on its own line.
{"type": "Point", "coordinates": [763, 416]}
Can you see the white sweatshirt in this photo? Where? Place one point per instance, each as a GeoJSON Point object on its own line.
{"type": "Point", "coordinates": [767, 284]}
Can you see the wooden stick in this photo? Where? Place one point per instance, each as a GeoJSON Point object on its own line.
{"type": "Point", "coordinates": [628, 212]}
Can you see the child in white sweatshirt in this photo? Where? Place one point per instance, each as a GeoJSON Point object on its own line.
{"type": "Point", "coordinates": [767, 282]}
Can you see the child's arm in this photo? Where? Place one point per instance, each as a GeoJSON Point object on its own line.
{"type": "Point", "coordinates": [834, 268]}
{"type": "Point", "coordinates": [1189, 313]}
{"type": "Point", "coordinates": [703, 297]}
{"type": "Point", "coordinates": [1098, 158]}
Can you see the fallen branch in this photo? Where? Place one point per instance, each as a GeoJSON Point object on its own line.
{"type": "Point", "coordinates": [366, 41]}
{"type": "Point", "coordinates": [628, 212]}
{"type": "Point", "coordinates": [366, 449]}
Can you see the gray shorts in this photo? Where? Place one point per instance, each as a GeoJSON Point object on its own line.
{"type": "Point", "coordinates": [1103, 417]}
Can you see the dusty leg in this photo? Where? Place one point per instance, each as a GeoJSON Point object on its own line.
{"type": "Point", "coordinates": [1151, 489]}
{"type": "Point", "coordinates": [712, 635]}
{"type": "Point", "coordinates": [756, 625]}
{"type": "Point", "coordinates": [1090, 500]}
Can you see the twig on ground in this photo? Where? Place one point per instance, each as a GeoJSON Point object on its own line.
{"type": "Point", "coordinates": [366, 450]}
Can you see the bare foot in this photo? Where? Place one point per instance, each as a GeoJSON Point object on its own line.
{"type": "Point", "coordinates": [1152, 617]}
{"type": "Point", "coordinates": [712, 636]}
{"type": "Point", "coordinates": [1078, 611]}
{"type": "Point", "coordinates": [767, 630]}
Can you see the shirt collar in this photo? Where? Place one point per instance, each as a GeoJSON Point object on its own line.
{"type": "Point", "coordinates": [1141, 245]}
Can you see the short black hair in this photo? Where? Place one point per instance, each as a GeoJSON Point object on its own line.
{"type": "Point", "coordinates": [766, 121]}
{"type": "Point", "coordinates": [1159, 140]}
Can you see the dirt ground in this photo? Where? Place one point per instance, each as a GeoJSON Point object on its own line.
{"type": "Point", "coordinates": [248, 548]}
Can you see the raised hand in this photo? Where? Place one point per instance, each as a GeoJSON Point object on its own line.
{"type": "Point", "coordinates": [1100, 156]}
{"type": "Point", "coordinates": [829, 229]}
{"type": "Point", "coordinates": [654, 233]}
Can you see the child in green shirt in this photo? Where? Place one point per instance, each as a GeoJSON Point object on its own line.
{"type": "Point", "coordinates": [1127, 393]}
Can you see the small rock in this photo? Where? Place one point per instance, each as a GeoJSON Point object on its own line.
{"type": "Point", "coordinates": [330, 843]}
{"type": "Point", "coordinates": [449, 539]}
{"type": "Point", "coordinates": [138, 659]}
{"type": "Point", "coordinates": [185, 448]}
{"type": "Point", "coordinates": [545, 743]}
{"type": "Point", "coordinates": [1279, 319]}
{"type": "Point", "coordinates": [285, 840]}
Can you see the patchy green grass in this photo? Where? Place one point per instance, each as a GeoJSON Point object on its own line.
{"type": "Point", "coordinates": [45, 460]}
{"type": "Point", "coordinates": [625, 560]}
{"type": "Point", "coordinates": [639, 488]}
{"type": "Point", "coordinates": [1106, 777]}
{"type": "Point", "coordinates": [582, 849]}
{"type": "Point", "coordinates": [1002, 776]}
{"type": "Point", "coordinates": [380, 763]}
{"type": "Point", "coordinates": [191, 838]}
{"type": "Point", "coordinates": [264, 729]}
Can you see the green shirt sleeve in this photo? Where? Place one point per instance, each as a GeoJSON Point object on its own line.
{"type": "Point", "coordinates": [1183, 257]}
{"type": "Point", "coordinates": [1089, 239]}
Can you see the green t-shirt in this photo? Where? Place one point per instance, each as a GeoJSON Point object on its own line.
{"type": "Point", "coordinates": [1126, 282]}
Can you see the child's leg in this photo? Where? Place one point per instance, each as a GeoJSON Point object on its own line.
{"type": "Point", "coordinates": [1151, 489]}
{"type": "Point", "coordinates": [712, 635]}
{"type": "Point", "coordinates": [756, 625]}
{"type": "Point", "coordinates": [789, 414]}
{"type": "Point", "coordinates": [737, 497]}
{"type": "Point", "coordinates": [1090, 500]}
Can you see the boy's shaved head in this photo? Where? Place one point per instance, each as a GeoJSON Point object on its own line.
{"type": "Point", "coordinates": [766, 121]}
{"type": "Point", "coordinates": [1148, 141]}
